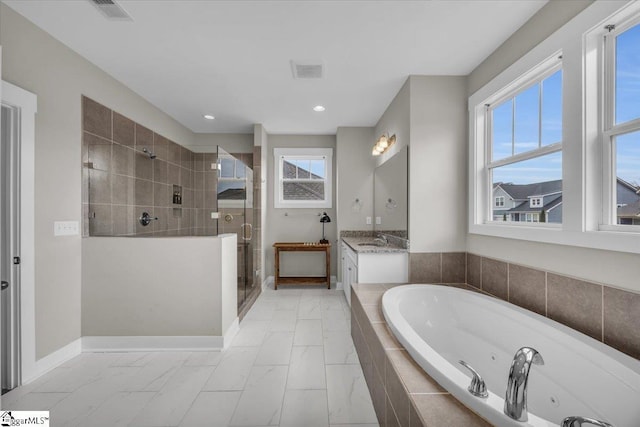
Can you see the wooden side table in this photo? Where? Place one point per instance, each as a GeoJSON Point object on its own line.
{"type": "Point", "coordinates": [302, 247]}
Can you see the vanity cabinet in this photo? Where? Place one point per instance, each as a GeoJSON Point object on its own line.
{"type": "Point", "coordinates": [372, 267]}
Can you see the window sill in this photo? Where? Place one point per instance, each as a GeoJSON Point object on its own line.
{"type": "Point", "coordinates": [619, 241]}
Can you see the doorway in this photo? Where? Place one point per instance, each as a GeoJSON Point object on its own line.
{"type": "Point", "coordinates": [10, 370]}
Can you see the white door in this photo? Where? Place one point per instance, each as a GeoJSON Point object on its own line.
{"type": "Point", "coordinates": [10, 247]}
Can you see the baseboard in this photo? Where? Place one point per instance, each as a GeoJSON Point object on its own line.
{"type": "Point", "coordinates": [339, 286]}
{"type": "Point", "coordinates": [231, 333]}
{"type": "Point", "coordinates": [266, 282]}
{"type": "Point", "coordinates": [55, 359]}
{"type": "Point", "coordinates": [152, 343]}
{"type": "Point", "coordinates": [334, 283]}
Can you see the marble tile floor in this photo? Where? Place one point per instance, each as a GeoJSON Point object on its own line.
{"type": "Point", "coordinates": [293, 363]}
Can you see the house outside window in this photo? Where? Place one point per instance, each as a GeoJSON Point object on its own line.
{"type": "Point", "coordinates": [499, 202]}
{"type": "Point", "coordinates": [303, 177]}
{"type": "Point", "coordinates": [524, 140]}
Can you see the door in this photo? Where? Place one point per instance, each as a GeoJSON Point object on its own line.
{"type": "Point", "coordinates": [235, 210]}
{"type": "Point", "coordinates": [9, 248]}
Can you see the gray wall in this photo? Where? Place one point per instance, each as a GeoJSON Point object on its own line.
{"type": "Point", "coordinates": [158, 287]}
{"type": "Point", "coordinates": [302, 225]}
{"type": "Point", "coordinates": [438, 164]}
{"type": "Point", "coordinates": [541, 25]}
{"type": "Point", "coordinates": [354, 177]}
{"type": "Point", "coordinates": [40, 64]}
{"type": "Point", "coordinates": [230, 142]}
{"type": "Point", "coordinates": [608, 267]}
{"type": "Point", "coordinates": [396, 119]}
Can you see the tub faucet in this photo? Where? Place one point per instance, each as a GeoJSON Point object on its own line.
{"type": "Point", "coordinates": [515, 401]}
{"type": "Point", "coordinates": [579, 421]}
{"type": "Point", "coordinates": [382, 239]}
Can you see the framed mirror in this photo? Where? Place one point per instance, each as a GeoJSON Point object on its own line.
{"type": "Point", "coordinates": [390, 198]}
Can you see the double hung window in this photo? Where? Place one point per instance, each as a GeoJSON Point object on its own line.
{"type": "Point", "coordinates": [303, 177]}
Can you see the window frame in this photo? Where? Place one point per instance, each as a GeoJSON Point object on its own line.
{"type": "Point", "coordinates": [579, 41]}
{"type": "Point", "coordinates": [280, 154]}
{"type": "Point", "coordinates": [611, 130]}
{"type": "Point", "coordinates": [501, 200]}
{"type": "Point", "coordinates": [534, 76]}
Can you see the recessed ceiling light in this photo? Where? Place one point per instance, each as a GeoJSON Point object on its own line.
{"type": "Point", "coordinates": [208, 117]}
{"type": "Point", "coordinates": [319, 108]}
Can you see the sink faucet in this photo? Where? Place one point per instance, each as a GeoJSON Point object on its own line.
{"type": "Point", "coordinates": [382, 238]}
{"type": "Point", "coordinates": [515, 401]}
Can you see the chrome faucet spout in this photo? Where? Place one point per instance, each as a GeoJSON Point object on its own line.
{"type": "Point", "coordinates": [515, 401]}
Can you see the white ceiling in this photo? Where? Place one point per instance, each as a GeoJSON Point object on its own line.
{"type": "Point", "coordinates": [232, 58]}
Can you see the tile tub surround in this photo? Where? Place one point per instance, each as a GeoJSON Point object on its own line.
{"type": "Point", "coordinates": [402, 393]}
{"type": "Point", "coordinates": [604, 313]}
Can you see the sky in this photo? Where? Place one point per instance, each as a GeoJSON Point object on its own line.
{"type": "Point", "coordinates": [525, 107]}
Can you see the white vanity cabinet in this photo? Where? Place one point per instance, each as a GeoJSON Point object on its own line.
{"type": "Point", "coordinates": [372, 267]}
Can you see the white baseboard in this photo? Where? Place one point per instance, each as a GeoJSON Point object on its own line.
{"type": "Point", "coordinates": [231, 333]}
{"type": "Point", "coordinates": [152, 343]}
{"type": "Point", "coordinates": [53, 360]}
{"type": "Point", "coordinates": [266, 282]}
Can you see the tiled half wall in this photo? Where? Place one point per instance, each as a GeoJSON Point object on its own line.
{"type": "Point", "coordinates": [605, 313]}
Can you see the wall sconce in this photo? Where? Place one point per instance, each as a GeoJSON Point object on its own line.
{"type": "Point", "coordinates": [383, 143]}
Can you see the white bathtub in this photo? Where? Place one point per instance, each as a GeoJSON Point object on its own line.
{"type": "Point", "coordinates": [440, 325]}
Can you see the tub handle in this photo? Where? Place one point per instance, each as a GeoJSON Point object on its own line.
{"type": "Point", "coordinates": [477, 386]}
{"type": "Point", "coordinates": [579, 421]}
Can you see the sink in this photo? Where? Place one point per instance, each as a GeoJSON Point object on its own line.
{"type": "Point", "coordinates": [371, 244]}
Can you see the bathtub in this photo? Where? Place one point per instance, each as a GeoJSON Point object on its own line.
{"type": "Point", "coordinates": [440, 325]}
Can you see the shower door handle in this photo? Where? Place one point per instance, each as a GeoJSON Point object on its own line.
{"type": "Point", "coordinates": [4, 285]}
{"type": "Point", "coordinates": [244, 231]}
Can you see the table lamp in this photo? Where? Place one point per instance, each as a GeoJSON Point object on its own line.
{"type": "Point", "coordinates": [324, 218]}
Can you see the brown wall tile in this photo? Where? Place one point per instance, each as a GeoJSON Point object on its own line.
{"type": "Point", "coordinates": [425, 268]}
{"type": "Point", "coordinates": [160, 171]}
{"type": "Point", "coordinates": [575, 303]}
{"type": "Point", "coordinates": [413, 376]}
{"type": "Point", "coordinates": [143, 193]}
{"type": "Point", "coordinates": [122, 190]}
{"type": "Point", "coordinates": [143, 166]}
{"type": "Point", "coordinates": [454, 267]}
{"type": "Point", "coordinates": [123, 130]}
{"type": "Point", "coordinates": [494, 278]}
{"type": "Point", "coordinates": [527, 288]}
{"type": "Point", "coordinates": [100, 223]}
{"type": "Point", "coordinates": [144, 138]}
{"type": "Point", "coordinates": [96, 118]}
{"type": "Point", "coordinates": [397, 395]}
{"type": "Point", "coordinates": [622, 321]}
{"type": "Point", "coordinates": [124, 220]}
{"type": "Point", "coordinates": [160, 146]}
{"type": "Point", "coordinates": [173, 152]}
{"type": "Point", "coordinates": [100, 187]}
{"type": "Point", "coordinates": [474, 270]}
{"type": "Point", "coordinates": [122, 161]}
{"type": "Point", "coordinates": [391, 420]}
{"type": "Point", "coordinates": [445, 410]}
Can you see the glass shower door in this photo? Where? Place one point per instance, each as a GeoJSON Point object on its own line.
{"type": "Point", "coordinates": [235, 212]}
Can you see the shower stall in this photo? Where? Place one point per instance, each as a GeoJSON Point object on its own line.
{"type": "Point", "coordinates": [137, 183]}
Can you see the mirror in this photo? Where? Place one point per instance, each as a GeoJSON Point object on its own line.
{"type": "Point", "coordinates": [390, 192]}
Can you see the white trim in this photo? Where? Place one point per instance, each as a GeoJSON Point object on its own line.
{"type": "Point", "coordinates": [582, 134]}
{"type": "Point", "coordinates": [53, 360]}
{"type": "Point", "coordinates": [326, 154]}
{"type": "Point", "coordinates": [27, 102]}
{"type": "Point", "coordinates": [267, 282]}
{"type": "Point", "coordinates": [231, 333]}
{"type": "Point", "coordinates": [152, 343]}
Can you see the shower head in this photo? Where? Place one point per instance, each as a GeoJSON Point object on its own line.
{"type": "Point", "coordinates": [149, 153]}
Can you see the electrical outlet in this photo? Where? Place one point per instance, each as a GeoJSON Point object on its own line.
{"type": "Point", "coordinates": [66, 228]}
{"type": "Point", "coordinates": [368, 220]}
{"type": "Point", "coordinates": [378, 220]}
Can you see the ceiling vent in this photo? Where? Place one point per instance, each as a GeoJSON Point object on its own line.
{"type": "Point", "coordinates": [111, 10]}
{"type": "Point", "coordinates": [307, 70]}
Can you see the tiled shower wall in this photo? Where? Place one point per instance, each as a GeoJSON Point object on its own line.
{"type": "Point", "coordinates": [120, 181]}
{"type": "Point", "coordinates": [607, 314]}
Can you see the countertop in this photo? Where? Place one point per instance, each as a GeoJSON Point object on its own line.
{"type": "Point", "coordinates": [354, 243]}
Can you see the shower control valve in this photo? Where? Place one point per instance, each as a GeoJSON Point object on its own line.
{"type": "Point", "coordinates": [145, 219]}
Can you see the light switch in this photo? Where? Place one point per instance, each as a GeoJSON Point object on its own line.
{"type": "Point", "coordinates": [215, 215]}
{"type": "Point", "coordinates": [368, 220]}
{"type": "Point", "coordinates": [214, 166]}
{"type": "Point", "coordinates": [378, 220]}
{"type": "Point", "coordinates": [66, 228]}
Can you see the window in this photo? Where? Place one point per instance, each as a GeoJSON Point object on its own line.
{"type": "Point", "coordinates": [524, 141]}
{"type": "Point", "coordinates": [302, 177]}
{"type": "Point", "coordinates": [499, 202]}
{"type": "Point", "coordinates": [621, 137]}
